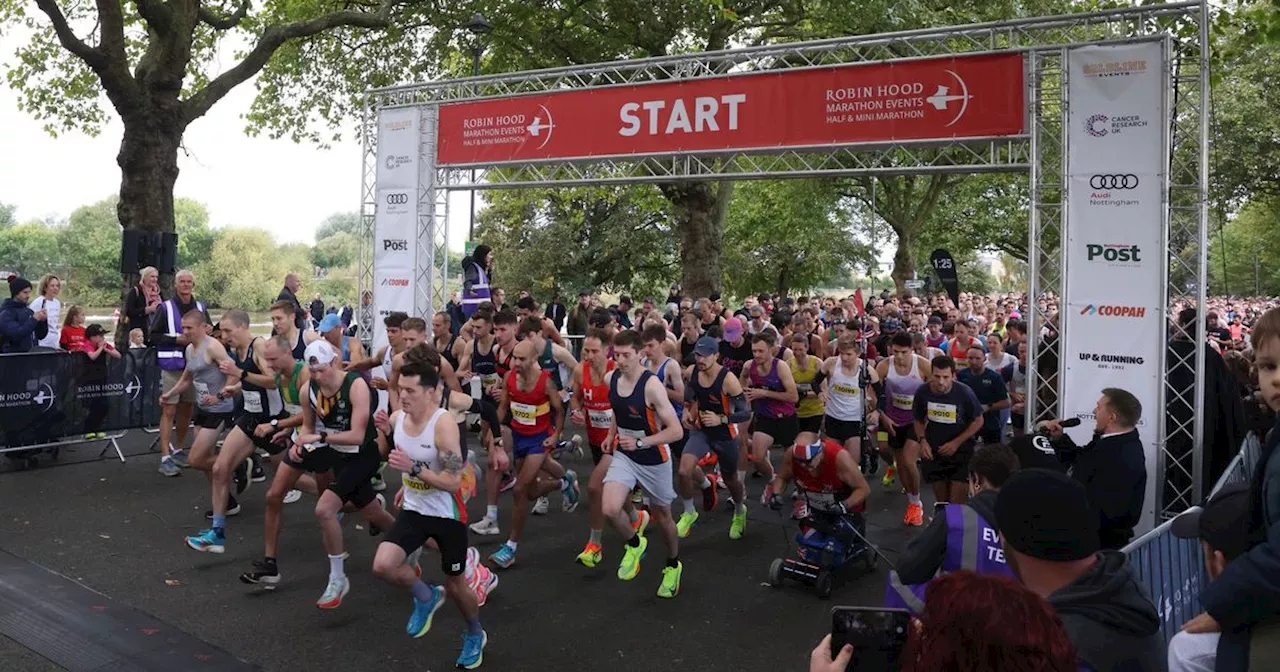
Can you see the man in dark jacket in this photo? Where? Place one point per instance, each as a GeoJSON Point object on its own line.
{"type": "Point", "coordinates": [1050, 538]}
{"type": "Point", "coordinates": [1112, 467]}
{"type": "Point", "coordinates": [989, 468]}
{"type": "Point", "coordinates": [20, 327]}
{"type": "Point", "coordinates": [556, 312]}
{"type": "Point", "coordinates": [290, 293]}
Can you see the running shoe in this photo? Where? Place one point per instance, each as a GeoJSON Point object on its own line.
{"type": "Point", "coordinates": [685, 525]}
{"type": "Point", "coordinates": [486, 582]}
{"type": "Point", "coordinates": [423, 612]}
{"type": "Point", "coordinates": [257, 474]}
{"type": "Point", "coordinates": [209, 541]}
{"type": "Point", "coordinates": [670, 586]}
{"type": "Point", "coordinates": [590, 556]}
{"type": "Point", "coordinates": [473, 650]}
{"type": "Point", "coordinates": [169, 468]}
{"type": "Point", "coordinates": [508, 482]}
{"type": "Point", "coordinates": [915, 516]}
{"type": "Point", "coordinates": [292, 496]}
{"type": "Point", "coordinates": [486, 527]}
{"type": "Point", "coordinates": [717, 480]}
{"type": "Point", "coordinates": [540, 506]}
{"type": "Point", "coordinates": [739, 524]}
{"type": "Point", "coordinates": [572, 493]}
{"type": "Point", "coordinates": [473, 561]}
{"type": "Point", "coordinates": [710, 497]}
{"type": "Point", "coordinates": [641, 523]}
{"type": "Point", "coordinates": [264, 573]}
{"type": "Point", "coordinates": [233, 509]}
{"type": "Point", "coordinates": [334, 592]}
{"type": "Point", "coordinates": [631, 558]}
{"type": "Point", "coordinates": [241, 477]}
{"type": "Point", "coordinates": [577, 446]}
{"type": "Point", "coordinates": [890, 475]}
{"type": "Point", "coordinates": [504, 557]}
{"type": "Point", "coordinates": [376, 480]}
{"type": "Point", "coordinates": [637, 497]}
{"type": "Point", "coordinates": [179, 458]}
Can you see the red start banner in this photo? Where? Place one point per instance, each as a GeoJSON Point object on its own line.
{"type": "Point", "coordinates": [938, 99]}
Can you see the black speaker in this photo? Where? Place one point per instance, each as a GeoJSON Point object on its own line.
{"type": "Point", "coordinates": [166, 260]}
{"type": "Point", "coordinates": [131, 245]}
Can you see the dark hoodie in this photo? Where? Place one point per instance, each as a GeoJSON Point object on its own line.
{"type": "Point", "coordinates": [926, 553]}
{"type": "Point", "coordinates": [1110, 619]}
{"type": "Point", "coordinates": [19, 328]}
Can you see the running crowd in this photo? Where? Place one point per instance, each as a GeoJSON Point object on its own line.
{"type": "Point", "coordinates": [678, 414]}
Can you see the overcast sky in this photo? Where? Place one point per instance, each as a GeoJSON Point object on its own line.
{"type": "Point", "coordinates": [285, 188]}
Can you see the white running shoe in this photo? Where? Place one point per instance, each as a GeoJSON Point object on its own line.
{"type": "Point", "coordinates": [486, 527]}
{"type": "Point", "coordinates": [292, 496]}
{"type": "Point", "coordinates": [541, 507]}
{"type": "Point", "coordinates": [334, 592]}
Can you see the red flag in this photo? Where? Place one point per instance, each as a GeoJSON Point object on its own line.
{"type": "Point", "coordinates": [859, 303]}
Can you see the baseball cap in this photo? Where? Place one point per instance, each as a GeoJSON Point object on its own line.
{"type": "Point", "coordinates": [94, 330]}
{"type": "Point", "coordinates": [706, 347]}
{"type": "Point", "coordinates": [1046, 515]}
{"type": "Point", "coordinates": [715, 296]}
{"type": "Point", "coordinates": [733, 329]}
{"type": "Point", "coordinates": [319, 353]}
{"type": "Point", "coordinates": [329, 323]}
{"type": "Point", "coordinates": [934, 319]}
{"type": "Point", "coordinates": [584, 293]}
{"type": "Point", "coordinates": [1223, 521]}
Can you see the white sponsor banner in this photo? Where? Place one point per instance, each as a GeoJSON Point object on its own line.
{"type": "Point", "coordinates": [396, 216]}
{"type": "Point", "coordinates": [1113, 315]}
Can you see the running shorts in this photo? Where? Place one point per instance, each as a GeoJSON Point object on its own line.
{"type": "Point", "coordinates": [953, 469]}
{"type": "Point", "coordinates": [811, 424]}
{"type": "Point", "coordinates": [901, 435]}
{"type": "Point", "coordinates": [205, 420]}
{"type": "Point", "coordinates": [524, 446]}
{"type": "Point", "coordinates": [655, 479]}
{"type": "Point", "coordinates": [412, 530]}
{"type": "Point", "coordinates": [726, 451]}
{"type": "Point", "coordinates": [783, 430]}
{"type": "Point", "coordinates": [248, 423]}
{"type": "Point", "coordinates": [843, 430]}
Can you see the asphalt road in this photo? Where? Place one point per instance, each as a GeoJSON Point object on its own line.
{"type": "Point", "coordinates": [119, 528]}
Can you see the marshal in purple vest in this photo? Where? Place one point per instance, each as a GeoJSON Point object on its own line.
{"type": "Point", "coordinates": [972, 544]}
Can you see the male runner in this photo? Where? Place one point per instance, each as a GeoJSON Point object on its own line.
{"type": "Point", "coordinates": [259, 402]}
{"type": "Point", "coordinates": [291, 378]}
{"type": "Point", "coordinates": [490, 358]}
{"type": "Point", "coordinates": [959, 346]}
{"type": "Point", "coordinates": [947, 416]}
{"type": "Point", "coordinates": [806, 371]}
{"type": "Point", "coordinates": [428, 452]}
{"type": "Point", "coordinates": [557, 361]}
{"type": "Point", "coordinates": [532, 400]}
{"type": "Point", "coordinates": [773, 396]}
{"type": "Point", "coordinates": [442, 337]}
{"type": "Point", "coordinates": [526, 308]}
{"type": "Point", "coordinates": [215, 401]}
{"type": "Point", "coordinates": [384, 357]}
{"type": "Point", "coordinates": [413, 332]}
{"type": "Point", "coordinates": [842, 393]}
{"type": "Point", "coordinates": [714, 406]}
{"type": "Point", "coordinates": [988, 385]}
{"type": "Point", "coordinates": [904, 374]}
{"type": "Point", "coordinates": [284, 325]}
{"type": "Point", "coordinates": [338, 433]}
{"type": "Point", "coordinates": [690, 332]}
{"type": "Point", "coordinates": [644, 423]}
{"type": "Point", "coordinates": [829, 478]}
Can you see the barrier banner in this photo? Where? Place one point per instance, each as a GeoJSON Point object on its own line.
{"type": "Point", "coordinates": [935, 99]}
{"type": "Point", "coordinates": [1113, 313]}
{"type": "Point", "coordinates": [48, 395]}
{"type": "Point", "coordinates": [396, 216]}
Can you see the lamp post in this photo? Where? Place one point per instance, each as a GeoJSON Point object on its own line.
{"type": "Point", "coordinates": [478, 27]}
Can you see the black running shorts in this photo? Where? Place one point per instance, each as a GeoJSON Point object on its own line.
{"type": "Point", "coordinates": [412, 530]}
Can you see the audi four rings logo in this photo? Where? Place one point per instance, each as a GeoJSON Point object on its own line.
{"type": "Point", "coordinates": [1113, 182]}
{"type": "Point", "coordinates": [397, 199]}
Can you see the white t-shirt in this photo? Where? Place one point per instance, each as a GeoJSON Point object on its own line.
{"type": "Point", "coordinates": [53, 307]}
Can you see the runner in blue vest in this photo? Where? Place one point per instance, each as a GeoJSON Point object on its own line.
{"type": "Point", "coordinates": [965, 538]}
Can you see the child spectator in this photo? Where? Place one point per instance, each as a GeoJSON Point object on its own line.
{"type": "Point", "coordinates": [137, 339]}
{"type": "Point", "coordinates": [72, 338]}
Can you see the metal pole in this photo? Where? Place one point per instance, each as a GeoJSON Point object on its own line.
{"type": "Point", "coordinates": [1257, 285]}
{"type": "Point", "coordinates": [1033, 243]}
{"type": "Point", "coordinates": [1197, 443]}
{"type": "Point", "coordinates": [476, 52]}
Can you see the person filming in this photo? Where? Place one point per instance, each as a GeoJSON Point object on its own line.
{"type": "Point", "coordinates": [1112, 467]}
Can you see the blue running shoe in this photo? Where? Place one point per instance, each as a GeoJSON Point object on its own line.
{"type": "Point", "coordinates": [504, 557]}
{"type": "Point", "coordinates": [571, 491]}
{"type": "Point", "coordinates": [209, 541]}
{"type": "Point", "coordinates": [180, 458]}
{"type": "Point", "coordinates": [473, 650]}
{"type": "Point", "coordinates": [420, 621]}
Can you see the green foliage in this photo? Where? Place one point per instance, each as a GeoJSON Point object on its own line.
{"type": "Point", "coordinates": [339, 222]}
{"type": "Point", "coordinates": [91, 240]}
{"type": "Point", "coordinates": [1244, 124]}
{"type": "Point", "coordinates": [6, 216]}
{"type": "Point", "coordinates": [1252, 237]}
{"type": "Point", "coordinates": [195, 238]}
{"type": "Point", "coordinates": [28, 249]}
{"type": "Point", "coordinates": [789, 236]}
{"type": "Point", "coordinates": [244, 270]}
{"type": "Point", "coordinates": [339, 250]}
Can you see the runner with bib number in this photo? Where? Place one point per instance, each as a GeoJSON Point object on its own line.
{"type": "Point", "coordinates": [947, 418]}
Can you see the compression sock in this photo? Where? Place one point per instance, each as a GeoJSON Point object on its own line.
{"type": "Point", "coordinates": [421, 591]}
{"type": "Point", "coordinates": [634, 516]}
{"type": "Point", "coordinates": [219, 524]}
{"type": "Point", "coordinates": [473, 626]}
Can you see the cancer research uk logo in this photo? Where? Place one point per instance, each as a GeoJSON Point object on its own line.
{"type": "Point", "coordinates": [394, 161]}
{"type": "Point", "coordinates": [1102, 125]}
{"type": "Point", "coordinates": [1114, 311]}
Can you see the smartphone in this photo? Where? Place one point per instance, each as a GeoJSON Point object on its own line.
{"type": "Point", "coordinates": [877, 636]}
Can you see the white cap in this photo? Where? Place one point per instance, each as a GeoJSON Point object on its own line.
{"type": "Point", "coordinates": [319, 353]}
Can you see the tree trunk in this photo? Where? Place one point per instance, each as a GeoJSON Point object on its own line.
{"type": "Point", "coordinates": [701, 208]}
{"type": "Point", "coordinates": [904, 263]}
{"type": "Point", "coordinates": [784, 279]}
{"type": "Point", "coordinates": [148, 161]}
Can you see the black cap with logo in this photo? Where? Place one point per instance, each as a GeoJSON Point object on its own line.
{"type": "Point", "coordinates": [1223, 522]}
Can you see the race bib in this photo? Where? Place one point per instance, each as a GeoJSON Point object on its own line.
{"type": "Point", "coordinates": [489, 380]}
{"type": "Point", "coordinates": [847, 390]}
{"type": "Point", "coordinates": [823, 501]}
{"type": "Point", "coordinates": [904, 402]}
{"type": "Point", "coordinates": [525, 414]}
{"type": "Point", "coordinates": [633, 433]}
{"type": "Point", "coordinates": [804, 388]}
{"type": "Point", "coordinates": [601, 419]}
{"type": "Point", "coordinates": [415, 484]}
{"type": "Point", "coordinates": [942, 413]}
{"type": "Point", "coordinates": [293, 409]}
{"type": "Point", "coordinates": [252, 402]}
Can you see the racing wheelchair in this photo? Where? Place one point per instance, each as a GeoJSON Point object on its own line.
{"type": "Point", "coordinates": [829, 543]}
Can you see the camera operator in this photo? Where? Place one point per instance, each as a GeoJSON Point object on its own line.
{"type": "Point", "coordinates": [1112, 467]}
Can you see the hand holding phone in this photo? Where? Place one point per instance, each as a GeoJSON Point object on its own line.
{"type": "Point", "coordinates": [877, 636]}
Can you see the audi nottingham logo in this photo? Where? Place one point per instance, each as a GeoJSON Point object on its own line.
{"type": "Point", "coordinates": [1113, 182]}
{"type": "Point", "coordinates": [1114, 311]}
{"type": "Point", "coordinates": [398, 199]}
{"type": "Point", "coordinates": [392, 245]}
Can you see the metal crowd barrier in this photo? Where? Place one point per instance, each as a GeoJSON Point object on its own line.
{"type": "Point", "coordinates": [1171, 569]}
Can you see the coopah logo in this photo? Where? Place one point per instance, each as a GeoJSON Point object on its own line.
{"type": "Point", "coordinates": [1114, 311]}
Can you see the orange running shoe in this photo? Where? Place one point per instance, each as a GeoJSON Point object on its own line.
{"type": "Point", "coordinates": [915, 515]}
{"type": "Point", "coordinates": [710, 497]}
{"type": "Point", "coordinates": [641, 523]}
